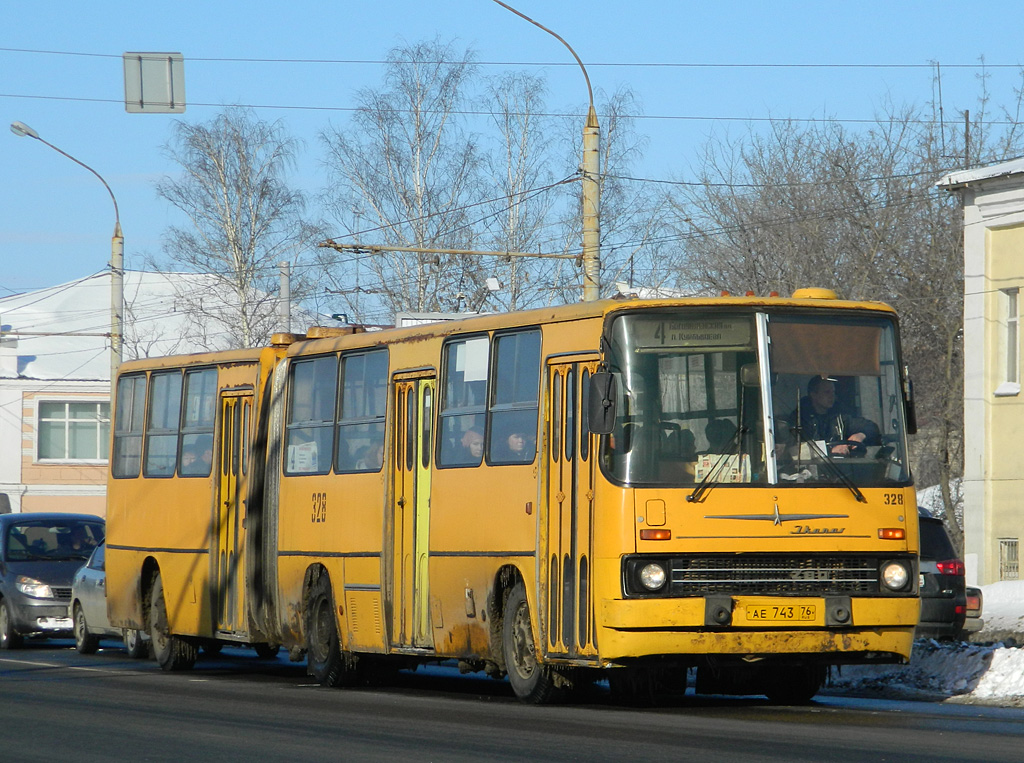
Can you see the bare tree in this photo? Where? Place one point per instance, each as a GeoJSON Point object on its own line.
{"type": "Point", "coordinates": [245, 220]}
{"type": "Point", "coordinates": [818, 206]}
{"type": "Point", "coordinates": [406, 173]}
{"type": "Point", "coordinates": [518, 171]}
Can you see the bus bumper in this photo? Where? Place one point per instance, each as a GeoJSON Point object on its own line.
{"type": "Point", "coordinates": [880, 630]}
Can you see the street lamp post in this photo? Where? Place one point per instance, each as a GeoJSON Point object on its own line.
{"type": "Point", "coordinates": [116, 255]}
{"type": "Point", "coordinates": [591, 171]}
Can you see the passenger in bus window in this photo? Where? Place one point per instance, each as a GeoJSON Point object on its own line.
{"type": "Point", "coordinates": [204, 451]}
{"type": "Point", "coordinates": [472, 446]}
{"type": "Point", "coordinates": [518, 448]}
{"type": "Point", "coordinates": [370, 458]}
{"type": "Point", "coordinates": [822, 419]}
{"type": "Point", "coordinates": [720, 434]}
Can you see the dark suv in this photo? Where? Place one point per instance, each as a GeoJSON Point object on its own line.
{"type": "Point", "coordinates": [943, 589]}
{"type": "Point", "coordinates": [39, 555]}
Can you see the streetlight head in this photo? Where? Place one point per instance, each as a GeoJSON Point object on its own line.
{"type": "Point", "coordinates": [21, 129]}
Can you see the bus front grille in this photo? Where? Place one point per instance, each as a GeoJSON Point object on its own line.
{"type": "Point", "coordinates": [765, 574]}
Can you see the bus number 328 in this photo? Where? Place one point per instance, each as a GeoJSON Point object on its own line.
{"type": "Point", "coordinates": [319, 508]}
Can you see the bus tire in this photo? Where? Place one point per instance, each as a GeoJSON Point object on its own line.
{"type": "Point", "coordinates": [136, 646]}
{"type": "Point", "coordinates": [796, 685]}
{"type": "Point", "coordinates": [172, 652]}
{"type": "Point", "coordinates": [324, 658]}
{"type": "Point", "coordinates": [9, 638]}
{"type": "Point", "coordinates": [532, 682]}
{"type": "Point", "coordinates": [85, 642]}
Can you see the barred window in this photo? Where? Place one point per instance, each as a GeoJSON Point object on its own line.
{"type": "Point", "coordinates": [1008, 559]}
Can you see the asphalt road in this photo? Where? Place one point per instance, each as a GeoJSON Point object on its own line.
{"type": "Point", "coordinates": [58, 705]}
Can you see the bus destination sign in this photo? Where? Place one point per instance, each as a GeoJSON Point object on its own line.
{"type": "Point", "coordinates": [680, 333]}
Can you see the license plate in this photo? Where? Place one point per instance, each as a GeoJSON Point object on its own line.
{"type": "Point", "coordinates": [782, 613]}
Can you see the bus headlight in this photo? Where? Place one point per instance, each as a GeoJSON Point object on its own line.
{"type": "Point", "coordinates": [895, 575]}
{"type": "Point", "coordinates": [652, 576]}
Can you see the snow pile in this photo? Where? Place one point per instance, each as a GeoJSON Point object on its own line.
{"type": "Point", "coordinates": [988, 671]}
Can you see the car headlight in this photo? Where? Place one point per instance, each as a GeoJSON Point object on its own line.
{"type": "Point", "coordinates": [652, 576]}
{"type": "Point", "coordinates": [895, 575]}
{"type": "Point", "coordinates": [34, 588]}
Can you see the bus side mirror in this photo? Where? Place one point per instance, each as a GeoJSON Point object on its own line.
{"type": "Point", "coordinates": [908, 400]}
{"type": "Point", "coordinates": [602, 402]}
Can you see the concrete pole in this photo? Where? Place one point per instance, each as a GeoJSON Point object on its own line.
{"type": "Point", "coordinates": [116, 299]}
{"type": "Point", "coordinates": [285, 304]}
{"type": "Point", "coordinates": [591, 170]}
{"type": "Point", "coordinates": [591, 208]}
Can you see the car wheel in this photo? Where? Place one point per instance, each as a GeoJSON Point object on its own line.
{"type": "Point", "coordinates": [9, 638]}
{"type": "Point", "coordinates": [85, 642]}
{"type": "Point", "coordinates": [135, 644]}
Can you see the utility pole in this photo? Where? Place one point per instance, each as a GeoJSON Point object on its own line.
{"type": "Point", "coordinates": [285, 304]}
{"type": "Point", "coordinates": [591, 171]}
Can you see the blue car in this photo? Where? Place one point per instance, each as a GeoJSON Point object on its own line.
{"type": "Point", "coordinates": [39, 556]}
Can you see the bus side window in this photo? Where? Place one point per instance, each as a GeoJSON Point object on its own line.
{"type": "Point", "coordinates": [515, 396]}
{"type": "Point", "coordinates": [310, 427]}
{"type": "Point", "coordinates": [164, 422]}
{"type": "Point", "coordinates": [463, 403]}
{"type": "Point", "coordinates": [129, 420]}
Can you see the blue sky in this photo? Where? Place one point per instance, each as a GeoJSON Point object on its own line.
{"type": "Point", "coordinates": [779, 59]}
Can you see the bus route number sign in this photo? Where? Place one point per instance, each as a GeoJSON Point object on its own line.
{"type": "Point", "coordinates": [684, 333]}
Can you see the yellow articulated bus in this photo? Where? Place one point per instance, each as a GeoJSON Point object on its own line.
{"type": "Point", "coordinates": [618, 490]}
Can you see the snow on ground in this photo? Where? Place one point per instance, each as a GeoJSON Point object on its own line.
{"type": "Point", "coordinates": [989, 670]}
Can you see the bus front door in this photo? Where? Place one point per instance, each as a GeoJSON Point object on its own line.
{"type": "Point", "coordinates": [569, 527]}
{"type": "Point", "coordinates": [227, 575]}
{"type": "Point", "coordinates": [414, 403]}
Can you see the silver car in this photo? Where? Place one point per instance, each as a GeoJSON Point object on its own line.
{"type": "Point", "coordinates": [39, 554]}
{"type": "Point", "coordinates": [88, 609]}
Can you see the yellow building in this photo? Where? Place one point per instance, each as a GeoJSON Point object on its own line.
{"type": "Point", "coordinates": [993, 488]}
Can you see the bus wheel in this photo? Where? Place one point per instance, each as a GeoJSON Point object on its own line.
{"type": "Point", "coordinates": [85, 642]}
{"type": "Point", "coordinates": [172, 652]}
{"type": "Point", "coordinates": [324, 659]}
{"type": "Point", "coordinates": [9, 638]}
{"type": "Point", "coordinates": [136, 646]}
{"type": "Point", "coordinates": [531, 681]}
{"type": "Point", "coordinates": [795, 685]}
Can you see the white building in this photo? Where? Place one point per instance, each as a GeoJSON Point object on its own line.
{"type": "Point", "coordinates": [55, 379]}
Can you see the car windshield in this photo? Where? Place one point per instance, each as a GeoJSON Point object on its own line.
{"type": "Point", "coordinates": [696, 395]}
{"type": "Point", "coordinates": [51, 540]}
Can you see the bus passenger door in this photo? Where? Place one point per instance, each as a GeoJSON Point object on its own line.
{"type": "Point", "coordinates": [228, 577]}
{"type": "Point", "coordinates": [569, 529]}
{"type": "Point", "coordinates": [414, 404]}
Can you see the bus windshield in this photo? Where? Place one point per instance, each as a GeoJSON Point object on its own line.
{"type": "Point", "coordinates": [697, 395]}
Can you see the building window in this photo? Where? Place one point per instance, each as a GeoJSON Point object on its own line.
{"type": "Point", "coordinates": [1011, 348]}
{"type": "Point", "coordinates": [1008, 566]}
{"type": "Point", "coordinates": [73, 431]}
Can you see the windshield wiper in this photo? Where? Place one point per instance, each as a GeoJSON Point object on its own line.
{"type": "Point", "coordinates": [836, 471]}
